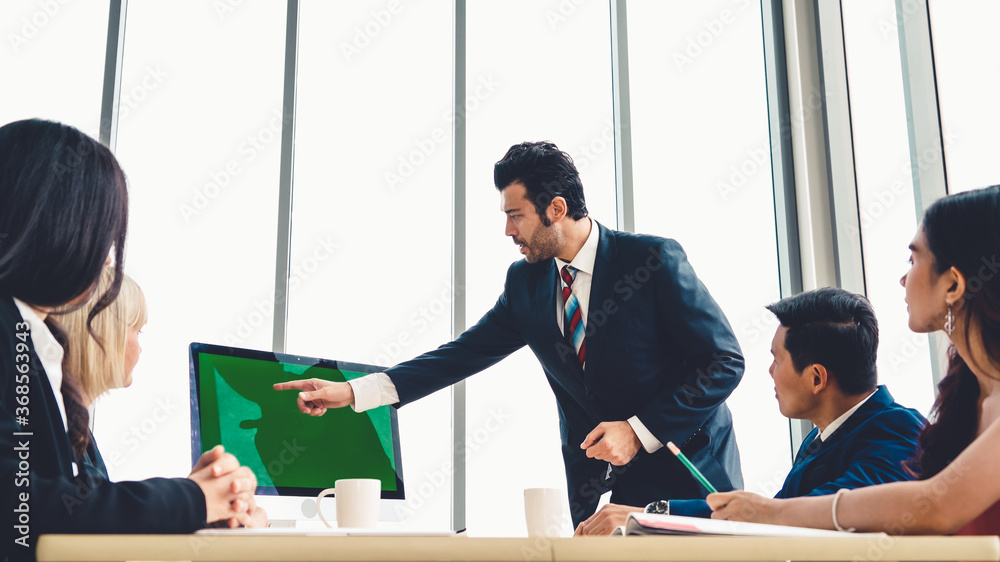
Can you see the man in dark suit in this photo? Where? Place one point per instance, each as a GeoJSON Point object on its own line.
{"type": "Point", "coordinates": [634, 347]}
{"type": "Point", "coordinates": [824, 371]}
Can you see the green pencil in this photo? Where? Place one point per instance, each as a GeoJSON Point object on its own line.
{"type": "Point", "coordinates": [694, 471]}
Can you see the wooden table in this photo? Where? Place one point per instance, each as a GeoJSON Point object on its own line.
{"type": "Point", "coordinates": [312, 547]}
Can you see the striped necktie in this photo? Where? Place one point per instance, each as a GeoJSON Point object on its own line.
{"type": "Point", "coordinates": [574, 316]}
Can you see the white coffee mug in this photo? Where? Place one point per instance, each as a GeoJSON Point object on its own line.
{"type": "Point", "coordinates": [544, 509]}
{"type": "Point", "coordinates": [357, 502]}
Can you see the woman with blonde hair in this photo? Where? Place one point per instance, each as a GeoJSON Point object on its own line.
{"type": "Point", "coordinates": [104, 350]}
{"type": "Point", "coordinates": [103, 354]}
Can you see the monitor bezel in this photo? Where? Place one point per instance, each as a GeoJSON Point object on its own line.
{"type": "Point", "coordinates": [197, 348]}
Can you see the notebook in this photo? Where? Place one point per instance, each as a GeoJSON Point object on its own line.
{"type": "Point", "coordinates": [658, 524]}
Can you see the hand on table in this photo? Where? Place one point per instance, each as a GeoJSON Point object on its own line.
{"type": "Point", "coordinates": [615, 442]}
{"type": "Point", "coordinates": [605, 520]}
{"type": "Point", "coordinates": [318, 395]}
{"type": "Point", "coordinates": [743, 506]}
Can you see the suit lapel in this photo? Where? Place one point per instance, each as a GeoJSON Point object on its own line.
{"type": "Point", "coordinates": [544, 303]}
{"type": "Point", "coordinates": [879, 401]}
{"type": "Point", "coordinates": [606, 271]}
{"type": "Point", "coordinates": [810, 447]}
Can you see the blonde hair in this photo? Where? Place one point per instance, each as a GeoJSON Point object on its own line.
{"type": "Point", "coordinates": [99, 364]}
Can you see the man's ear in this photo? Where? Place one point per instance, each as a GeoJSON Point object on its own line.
{"type": "Point", "coordinates": [556, 211]}
{"type": "Point", "coordinates": [820, 377]}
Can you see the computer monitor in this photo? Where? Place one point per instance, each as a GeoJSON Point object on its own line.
{"type": "Point", "coordinates": [294, 456]}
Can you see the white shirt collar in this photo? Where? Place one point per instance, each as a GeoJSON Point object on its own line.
{"type": "Point", "coordinates": [49, 352]}
{"type": "Point", "coordinates": [587, 256]}
{"type": "Point", "coordinates": [835, 425]}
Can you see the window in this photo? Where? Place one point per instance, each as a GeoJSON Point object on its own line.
{"type": "Point", "coordinates": [885, 194]}
{"type": "Point", "coordinates": [965, 62]}
{"type": "Point", "coordinates": [702, 157]}
{"type": "Point", "coordinates": [54, 53]}
{"type": "Point", "coordinates": [199, 140]}
{"type": "Point", "coordinates": [371, 210]}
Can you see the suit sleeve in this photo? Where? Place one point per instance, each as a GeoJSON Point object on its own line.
{"type": "Point", "coordinates": [493, 338]}
{"type": "Point", "coordinates": [890, 439]}
{"type": "Point", "coordinates": [712, 358]}
{"type": "Point", "coordinates": [86, 504]}
{"type": "Point", "coordinates": [690, 508]}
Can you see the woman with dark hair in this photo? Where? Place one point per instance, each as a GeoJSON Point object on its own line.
{"type": "Point", "coordinates": [63, 216]}
{"type": "Point", "coordinates": [953, 285]}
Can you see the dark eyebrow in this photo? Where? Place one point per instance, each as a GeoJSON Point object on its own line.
{"type": "Point", "coordinates": [509, 211]}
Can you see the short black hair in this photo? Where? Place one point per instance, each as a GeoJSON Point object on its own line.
{"type": "Point", "coordinates": [63, 206]}
{"type": "Point", "coordinates": [546, 173]}
{"type": "Point", "coordinates": [834, 328]}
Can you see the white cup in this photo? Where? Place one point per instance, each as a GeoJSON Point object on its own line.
{"type": "Point", "coordinates": [543, 511]}
{"type": "Point", "coordinates": [357, 502]}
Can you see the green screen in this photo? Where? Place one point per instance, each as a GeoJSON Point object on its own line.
{"type": "Point", "coordinates": [264, 429]}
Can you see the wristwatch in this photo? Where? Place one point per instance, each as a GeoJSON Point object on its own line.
{"type": "Point", "coordinates": [660, 506]}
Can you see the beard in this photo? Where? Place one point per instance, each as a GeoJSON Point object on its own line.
{"type": "Point", "coordinates": [544, 245]}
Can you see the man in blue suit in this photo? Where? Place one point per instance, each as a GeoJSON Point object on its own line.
{"type": "Point", "coordinates": [635, 349]}
{"type": "Point", "coordinates": [824, 371]}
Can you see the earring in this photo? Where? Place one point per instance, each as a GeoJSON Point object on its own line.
{"type": "Point", "coordinates": [949, 321]}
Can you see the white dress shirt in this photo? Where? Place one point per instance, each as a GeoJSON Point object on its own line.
{"type": "Point", "coordinates": [583, 262]}
{"type": "Point", "coordinates": [835, 424]}
{"type": "Point", "coordinates": [49, 352]}
{"type": "Point", "coordinates": [376, 390]}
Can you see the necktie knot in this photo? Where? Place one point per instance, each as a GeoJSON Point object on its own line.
{"type": "Point", "coordinates": [568, 275]}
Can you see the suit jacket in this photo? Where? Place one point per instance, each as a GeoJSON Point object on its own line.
{"type": "Point", "coordinates": [93, 461]}
{"type": "Point", "coordinates": [40, 493]}
{"type": "Point", "coordinates": [658, 347]}
{"type": "Point", "coordinates": [869, 448]}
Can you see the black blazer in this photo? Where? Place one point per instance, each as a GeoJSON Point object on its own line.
{"type": "Point", "coordinates": [868, 449]}
{"type": "Point", "coordinates": [40, 493]}
{"type": "Point", "coordinates": [658, 347]}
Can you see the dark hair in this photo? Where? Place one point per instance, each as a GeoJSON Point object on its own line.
{"type": "Point", "coordinates": [834, 328]}
{"type": "Point", "coordinates": [77, 415]}
{"type": "Point", "coordinates": [963, 231]}
{"type": "Point", "coordinates": [63, 206]}
{"type": "Point", "coordinates": [546, 173]}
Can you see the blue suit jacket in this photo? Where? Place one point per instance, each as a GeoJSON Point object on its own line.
{"type": "Point", "coordinates": [869, 448]}
{"type": "Point", "coordinates": [658, 347]}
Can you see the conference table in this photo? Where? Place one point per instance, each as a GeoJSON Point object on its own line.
{"type": "Point", "coordinates": [236, 547]}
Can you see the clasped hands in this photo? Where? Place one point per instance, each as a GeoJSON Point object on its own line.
{"type": "Point", "coordinates": [229, 490]}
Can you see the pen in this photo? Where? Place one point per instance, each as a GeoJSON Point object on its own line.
{"type": "Point", "coordinates": [694, 471]}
